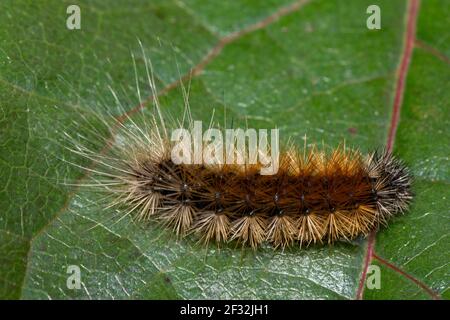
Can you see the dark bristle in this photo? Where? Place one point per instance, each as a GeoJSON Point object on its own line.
{"type": "Point", "coordinates": [392, 186]}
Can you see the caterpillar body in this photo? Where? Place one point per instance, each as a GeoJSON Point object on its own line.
{"type": "Point", "coordinates": [314, 197]}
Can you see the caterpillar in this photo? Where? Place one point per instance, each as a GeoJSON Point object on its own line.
{"type": "Point", "coordinates": [315, 197]}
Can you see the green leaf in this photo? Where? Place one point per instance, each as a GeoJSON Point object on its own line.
{"type": "Point", "coordinates": [418, 242]}
{"type": "Point", "coordinates": [311, 67]}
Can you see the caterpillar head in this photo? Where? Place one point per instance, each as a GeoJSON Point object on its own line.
{"type": "Point", "coordinates": [391, 181]}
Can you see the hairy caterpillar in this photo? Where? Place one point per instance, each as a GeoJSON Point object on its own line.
{"type": "Point", "coordinates": [315, 196]}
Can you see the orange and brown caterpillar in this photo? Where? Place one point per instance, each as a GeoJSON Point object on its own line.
{"type": "Point", "coordinates": [315, 196]}
{"type": "Point", "coordinates": [322, 198]}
